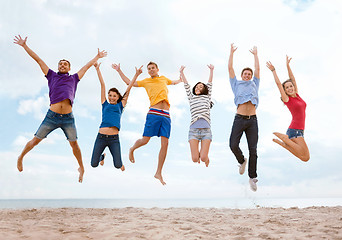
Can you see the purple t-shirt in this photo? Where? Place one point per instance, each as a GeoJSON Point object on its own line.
{"type": "Point", "coordinates": [61, 86]}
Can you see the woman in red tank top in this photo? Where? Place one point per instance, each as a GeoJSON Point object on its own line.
{"type": "Point", "coordinates": [293, 140]}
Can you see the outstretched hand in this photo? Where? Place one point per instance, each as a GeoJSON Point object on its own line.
{"type": "Point", "coordinates": [18, 40]}
{"type": "Point", "coordinates": [116, 66]}
{"type": "Point", "coordinates": [270, 66]}
{"type": "Point", "coordinates": [254, 50]}
{"type": "Point", "coordinates": [211, 67]}
{"type": "Point", "coordinates": [288, 59]}
{"type": "Point", "coordinates": [101, 54]}
{"type": "Point", "coordinates": [138, 71]}
{"type": "Point", "coordinates": [232, 48]}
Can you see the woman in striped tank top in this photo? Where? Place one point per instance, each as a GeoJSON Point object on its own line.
{"type": "Point", "coordinates": [293, 140]}
{"type": "Point", "coordinates": [200, 105]}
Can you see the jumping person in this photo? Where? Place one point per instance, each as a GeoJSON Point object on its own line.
{"type": "Point", "coordinates": [200, 105]}
{"type": "Point", "coordinates": [246, 99]}
{"type": "Point", "coordinates": [293, 140]}
{"type": "Point", "coordinates": [62, 89]}
{"type": "Point", "coordinates": [112, 109]}
{"type": "Point", "coordinates": [158, 122]}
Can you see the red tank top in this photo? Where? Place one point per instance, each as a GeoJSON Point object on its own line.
{"type": "Point", "coordinates": [297, 107]}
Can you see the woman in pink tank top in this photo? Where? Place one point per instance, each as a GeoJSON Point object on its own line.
{"type": "Point", "coordinates": [293, 140]}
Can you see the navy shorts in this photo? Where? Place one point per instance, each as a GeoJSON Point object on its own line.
{"type": "Point", "coordinates": [294, 133]}
{"type": "Point", "coordinates": [158, 123]}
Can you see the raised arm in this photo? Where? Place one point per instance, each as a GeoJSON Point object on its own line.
{"type": "Point", "coordinates": [284, 96]}
{"type": "Point", "coordinates": [22, 42]}
{"type": "Point", "coordinates": [182, 76]}
{"type": "Point", "coordinates": [211, 67]}
{"type": "Point", "coordinates": [230, 61]}
{"type": "Point", "coordinates": [103, 86]}
{"type": "Point", "coordinates": [85, 68]}
{"type": "Point", "coordinates": [122, 75]}
{"type": "Point", "coordinates": [291, 76]}
{"type": "Point", "coordinates": [254, 51]}
{"type": "Point", "coordinates": [138, 71]}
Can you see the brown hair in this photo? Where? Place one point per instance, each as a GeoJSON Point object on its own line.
{"type": "Point", "coordinates": [247, 69]}
{"type": "Point", "coordinates": [152, 63]}
{"type": "Point", "coordinates": [117, 92]}
{"type": "Point", "coordinates": [65, 61]}
{"type": "Point", "coordinates": [288, 80]}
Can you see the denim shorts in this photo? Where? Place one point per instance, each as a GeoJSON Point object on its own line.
{"type": "Point", "coordinates": [294, 133]}
{"type": "Point", "coordinates": [200, 134]}
{"type": "Point", "coordinates": [55, 120]}
{"type": "Point", "coordinates": [157, 125]}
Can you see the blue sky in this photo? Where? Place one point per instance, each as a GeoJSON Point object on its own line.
{"type": "Point", "coordinates": [171, 33]}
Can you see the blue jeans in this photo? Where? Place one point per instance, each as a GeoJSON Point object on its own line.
{"type": "Point", "coordinates": [55, 120]}
{"type": "Point", "coordinates": [250, 128]}
{"type": "Point", "coordinates": [112, 142]}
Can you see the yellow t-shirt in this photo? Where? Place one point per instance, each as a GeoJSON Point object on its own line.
{"type": "Point", "coordinates": [156, 89]}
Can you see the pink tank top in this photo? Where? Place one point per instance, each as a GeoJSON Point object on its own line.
{"type": "Point", "coordinates": [297, 107]}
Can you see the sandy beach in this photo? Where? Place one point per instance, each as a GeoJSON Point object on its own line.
{"type": "Point", "coordinates": [172, 223]}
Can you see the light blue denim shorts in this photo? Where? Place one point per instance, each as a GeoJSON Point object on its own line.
{"type": "Point", "coordinates": [294, 133]}
{"type": "Point", "coordinates": [55, 120]}
{"type": "Point", "coordinates": [200, 134]}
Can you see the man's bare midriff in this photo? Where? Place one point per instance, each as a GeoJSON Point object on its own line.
{"type": "Point", "coordinates": [247, 109]}
{"type": "Point", "coordinates": [62, 107]}
{"type": "Point", "coordinates": [109, 130]}
{"type": "Point", "coordinates": [161, 105]}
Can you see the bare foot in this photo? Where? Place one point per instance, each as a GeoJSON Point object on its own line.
{"type": "Point", "coordinates": [80, 177]}
{"type": "Point", "coordinates": [279, 142]}
{"type": "Point", "coordinates": [160, 178]}
{"type": "Point", "coordinates": [131, 156]}
{"type": "Point", "coordinates": [20, 164]}
{"type": "Point", "coordinates": [281, 136]}
{"type": "Point", "coordinates": [122, 168]}
{"type": "Point", "coordinates": [103, 157]}
{"type": "Point", "coordinates": [207, 163]}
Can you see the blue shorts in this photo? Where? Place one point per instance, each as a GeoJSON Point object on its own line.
{"type": "Point", "coordinates": [294, 133]}
{"type": "Point", "coordinates": [53, 121]}
{"type": "Point", "coordinates": [158, 123]}
{"type": "Point", "coordinates": [200, 134]}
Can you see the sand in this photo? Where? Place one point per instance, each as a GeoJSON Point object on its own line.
{"type": "Point", "coordinates": [172, 223]}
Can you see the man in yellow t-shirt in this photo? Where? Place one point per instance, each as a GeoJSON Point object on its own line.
{"type": "Point", "coordinates": [158, 122]}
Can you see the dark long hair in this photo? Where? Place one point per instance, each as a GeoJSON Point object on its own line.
{"type": "Point", "coordinates": [117, 92]}
{"type": "Point", "coordinates": [205, 91]}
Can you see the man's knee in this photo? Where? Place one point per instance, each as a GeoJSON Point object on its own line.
{"type": "Point", "coordinates": [74, 144]}
{"type": "Point", "coordinates": [234, 146]}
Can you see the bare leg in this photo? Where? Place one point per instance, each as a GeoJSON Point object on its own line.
{"type": "Point", "coordinates": [161, 159]}
{"type": "Point", "coordinates": [205, 144]}
{"type": "Point", "coordinates": [195, 155]}
{"type": "Point", "coordinates": [28, 147]}
{"type": "Point", "coordinates": [140, 142]}
{"type": "Point", "coordinates": [122, 168]}
{"type": "Point", "coordinates": [296, 146]}
{"type": "Point", "coordinates": [77, 153]}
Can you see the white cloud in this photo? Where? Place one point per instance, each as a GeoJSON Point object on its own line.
{"type": "Point", "coordinates": [36, 106]}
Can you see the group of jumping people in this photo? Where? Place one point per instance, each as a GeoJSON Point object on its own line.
{"type": "Point", "coordinates": [62, 89]}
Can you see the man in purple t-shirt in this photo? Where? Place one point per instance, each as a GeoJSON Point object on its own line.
{"type": "Point", "coordinates": [62, 88]}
